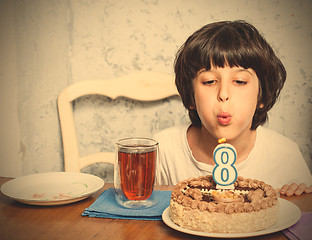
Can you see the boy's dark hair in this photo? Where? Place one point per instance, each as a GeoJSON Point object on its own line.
{"type": "Point", "coordinates": [236, 43]}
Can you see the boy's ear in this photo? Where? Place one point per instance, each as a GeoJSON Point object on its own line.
{"type": "Point", "coordinates": [192, 107]}
{"type": "Point", "coordinates": [261, 105]}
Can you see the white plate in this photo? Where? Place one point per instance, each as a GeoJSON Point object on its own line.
{"type": "Point", "coordinates": [54, 188]}
{"type": "Point", "coordinates": [289, 214]}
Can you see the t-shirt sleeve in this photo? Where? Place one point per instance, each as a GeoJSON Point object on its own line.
{"type": "Point", "coordinates": [284, 159]}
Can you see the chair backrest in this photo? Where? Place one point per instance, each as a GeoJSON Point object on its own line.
{"type": "Point", "coordinates": [142, 86]}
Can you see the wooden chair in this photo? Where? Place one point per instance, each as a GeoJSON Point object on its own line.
{"type": "Point", "coordinates": [142, 86]}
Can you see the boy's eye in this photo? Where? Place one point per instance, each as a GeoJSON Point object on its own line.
{"type": "Point", "coordinates": [240, 82]}
{"type": "Point", "coordinates": [209, 82]}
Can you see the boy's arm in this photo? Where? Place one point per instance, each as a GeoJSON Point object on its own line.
{"type": "Point", "coordinates": [295, 189]}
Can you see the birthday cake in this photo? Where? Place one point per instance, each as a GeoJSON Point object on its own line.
{"type": "Point", "coordinates": [197, 204]}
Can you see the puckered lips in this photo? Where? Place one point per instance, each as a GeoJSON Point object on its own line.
{"type": "Point", "coordinates": [224, 118]}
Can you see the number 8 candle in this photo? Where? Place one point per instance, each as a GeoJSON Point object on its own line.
{"type": "Point", "coordinates": [224, 172]}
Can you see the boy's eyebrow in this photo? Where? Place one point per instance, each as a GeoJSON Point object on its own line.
{"type": "Point", "coordinates": [238, 70]}
{"type": "Point", "coordinates": [246, 70]}
{"type": "Point", "coordinates": [201, 71]}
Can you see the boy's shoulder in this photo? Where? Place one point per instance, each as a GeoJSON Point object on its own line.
{"type": "Point", "coordinates": [171, 132]}
{"type": "Point", "coordinates": [272, 135]}
{"type": "Point", "coordinates": [272, 139]}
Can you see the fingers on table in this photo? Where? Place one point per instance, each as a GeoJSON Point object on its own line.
{"type": "Point", "coordinates": [296, 189]}
{"type": "Point", "coordinates": [301, 188]}
{"type": "Point", "coordinates": [308, 189]}
{"type": "Point", "coordinates": [291, 189]}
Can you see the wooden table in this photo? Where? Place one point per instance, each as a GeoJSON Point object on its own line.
{"type": "Point", "coordinates": [21, 221]}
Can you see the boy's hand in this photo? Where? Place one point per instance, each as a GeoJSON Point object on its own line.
{"type": "Point", "coordinates": [296, 189]}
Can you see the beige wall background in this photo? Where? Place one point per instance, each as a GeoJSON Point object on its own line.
{"type": "Point", "coordinates": [46, 45]}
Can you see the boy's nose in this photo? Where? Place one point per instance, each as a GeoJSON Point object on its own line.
{"type": "Point", "coordinates": [223, 94]}
{"type": "Point", "coordinates": [224, 99]}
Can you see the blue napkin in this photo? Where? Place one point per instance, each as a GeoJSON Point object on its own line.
{"type": "Point", "coordinates": [302, 229]}
{"type": "Point", "coordinates": [107, 207]}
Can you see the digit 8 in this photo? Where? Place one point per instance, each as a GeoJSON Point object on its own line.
{"type": "Point", "coordinates": [224, 173]}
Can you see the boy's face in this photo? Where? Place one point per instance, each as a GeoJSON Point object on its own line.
{"type": "Point", "coordinates": [226, 100]}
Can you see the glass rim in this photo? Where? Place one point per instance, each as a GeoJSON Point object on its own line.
{"type": "Point", "coordinates": [152, 144]}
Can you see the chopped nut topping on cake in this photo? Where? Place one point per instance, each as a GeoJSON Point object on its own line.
{"type": "Point", "coordinates": [196, 204]}
{"type": "Point", "coordinates": [200, 192]}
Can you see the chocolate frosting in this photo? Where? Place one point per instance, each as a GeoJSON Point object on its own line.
{"type": "Point", "coordinates": [254, 195]}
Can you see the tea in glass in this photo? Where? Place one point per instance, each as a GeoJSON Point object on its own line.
{"type": "Point", "coordinates": [134, 176]}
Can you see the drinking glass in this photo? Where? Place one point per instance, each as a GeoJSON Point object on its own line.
{"type": "Point", "coordinates": [134, 172]}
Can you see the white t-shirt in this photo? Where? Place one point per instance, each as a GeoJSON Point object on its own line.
{"type": "Point", "coordinates": [274, 159]}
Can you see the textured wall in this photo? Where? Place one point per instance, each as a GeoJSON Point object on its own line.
{"type": "Point", "coordinates": [51, 44]}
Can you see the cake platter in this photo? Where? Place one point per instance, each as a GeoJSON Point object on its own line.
{"type": "Point", "coordinates": [52, 188]}
{"type": "Point", "coordinates": [289, 214]}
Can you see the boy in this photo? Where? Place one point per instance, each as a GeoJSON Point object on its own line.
{"type": "Point", "coordinates": [229, 78]}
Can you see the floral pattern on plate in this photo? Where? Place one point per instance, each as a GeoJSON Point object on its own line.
{"type": "Point", "coordinates": [52, 188]}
